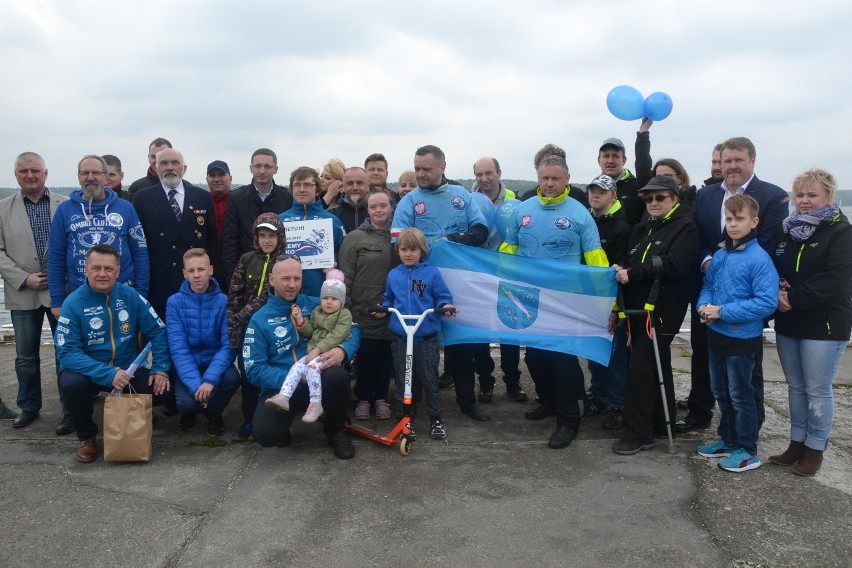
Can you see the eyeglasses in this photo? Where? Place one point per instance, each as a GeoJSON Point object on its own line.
{"type": "Point", "coordinates": [262, 167]}
{"type": "Point", "coordinates": [87, 173]}
{"type": "Point", "coordinates": [305, 185]}
{"type": "Point", "coordinates": [288, 256]}
{"type": "Point", "coordinates": [659, 198]}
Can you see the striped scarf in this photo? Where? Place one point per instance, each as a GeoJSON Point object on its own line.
{"type": "Point", "coordinates": [801, 226]}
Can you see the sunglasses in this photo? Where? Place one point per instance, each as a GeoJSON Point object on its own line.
{"type": "Point", "coordinates": [659, 198]}
{"type": "Point", "coordinates": [288, 256]}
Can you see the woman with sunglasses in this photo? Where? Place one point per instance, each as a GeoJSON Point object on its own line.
{"type": "Point", "coordinates": [669, 234]}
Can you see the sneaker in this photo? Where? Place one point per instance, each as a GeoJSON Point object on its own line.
{"type": "Point", "coordinates": [383, 410]}
{"type": "Point", "coordinates": [740, 460]}
{"type": "Point", "coordinates": [243, 433]}
{"type": "Point", "coordinates": [187, 422]}
{"type": "Point", "coordinates": [595, 406]}
{"type": "Point", "coordinates": [437, 430]}
{"type": "Point", "coordinates": [614, 419]}
{"type": "Point", "coordinates": [7, 413]}
{"type": "Point", "coordinates": [313, 412]}
{"type": "Point", "coordinates": [215, 425]}
{"type": "Point", "coordinates": [278, 403]}
{"type": "Point", "coordinates": [717, 449]}
{"type": "Point", "coordinates": [362, 410]}
{"type": "Point", "coordinates": [628, 448]}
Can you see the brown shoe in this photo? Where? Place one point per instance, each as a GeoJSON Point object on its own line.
{"type": "Point", "coordinates": [809, 464]}
{"type": "Point", "coordinates": [88, 451]}
{"type": "Point", "coordinates": [791, 455]}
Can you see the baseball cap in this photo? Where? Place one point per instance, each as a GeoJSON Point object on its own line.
{"type": "Point", "coordinates": [218, 165]}
{"type": "Point", "coordinates": [613, 142]}
{"type": "Point", "coordinates": [603, 181]}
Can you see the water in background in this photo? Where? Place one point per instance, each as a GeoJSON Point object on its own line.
{"type": "Point", "coordinates": [6, 323]}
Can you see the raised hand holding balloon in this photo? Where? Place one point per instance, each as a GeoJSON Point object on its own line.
{"type": "Point", "coordinates": [627, 103]}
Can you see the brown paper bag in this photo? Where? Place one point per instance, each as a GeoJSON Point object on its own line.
{"type": "Point", "coordinates": [128, 427]}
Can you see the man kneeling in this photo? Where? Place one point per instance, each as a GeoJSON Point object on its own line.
{"type": "Point", "coordinates": [197, 328]}
{"type": "Point", "coordinates": [96, 341]}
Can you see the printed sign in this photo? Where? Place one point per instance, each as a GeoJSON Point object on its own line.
{"type": "Point", "coordinates": [312, 241]}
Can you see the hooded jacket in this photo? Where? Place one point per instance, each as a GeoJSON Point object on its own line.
{"type": "Point", "coordinates": [250, 283]}
{"type": "Point", "coordinates": [313, 278]}
{"type": "Point", "coordinates": [743, 283]}
{"type": "Point", "coordinates": [819, 273]}
{"type": "Point", "coordinates": [197, 329]}
{"type": "Point", "coordinates": [80, 224]}
{"type": "Point", "coordinates": [412, 290]}
{"type": "Point", "coordinates": [366, 258]}
{"type": "Point", "coordinates": [350, 214]}
{"type": "Point", "coordinates": [614, 233]}
{"type": "Point", "coordinates": [674, 239]}
{"type": "Point", "coordinates": [96, 333]}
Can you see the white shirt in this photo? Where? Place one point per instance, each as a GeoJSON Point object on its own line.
{"type": "Point", "coordinates": [178, 196]}
{"type": "Point", "coordinates": [727, 195]}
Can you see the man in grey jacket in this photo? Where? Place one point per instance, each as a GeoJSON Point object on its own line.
{"type": "Point", "coordinates": [24, 230]}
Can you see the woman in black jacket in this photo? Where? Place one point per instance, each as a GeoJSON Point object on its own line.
{"type": "Point", "coordinates": [668, 233]}
{"type": "Point", "coordinates": [813, 256]}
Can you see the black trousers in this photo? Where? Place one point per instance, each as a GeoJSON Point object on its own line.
{"type": "Point", "coordinates": [374, 369]}
{"type": "Point", "coordinates": [510, 361]}
{"type": "Point", "coordinates": [272, 428]}
{"type": "Point", "coordinates": [643, 405]}
{"type": "Point", "coordinates": [460, 359]}
{"type": "Point", "coordinates": [559, 383]}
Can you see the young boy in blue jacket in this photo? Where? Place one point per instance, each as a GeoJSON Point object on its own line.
{"type": "Point", "coordinates": [412, 288]}
{"type": "Point", "coordinates": [197, 328]}
{"type": "Point", "coordinates": [740, 291]}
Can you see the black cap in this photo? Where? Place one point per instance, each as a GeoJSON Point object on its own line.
{"type": "Point", "coordinates": [218, 165]}
{"type": "Point", "coordinates": [662, 183]}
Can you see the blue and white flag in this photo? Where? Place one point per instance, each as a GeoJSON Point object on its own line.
{"type": "Point", "coordinates": [517, 300]}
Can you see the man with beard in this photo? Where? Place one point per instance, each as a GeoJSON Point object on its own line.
{"type": "Point", "coordinates": [352, 207]}
{"type": "Point", "coordinates": [176, 217]}
{"type": "Point", "coordinates": [94, 216]}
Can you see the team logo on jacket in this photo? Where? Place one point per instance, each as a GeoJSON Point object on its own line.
{"type": "Point", "coordinates": [526, 220]}
{"type": "Point", "coordinates": [517, 306]}
{"type": "Point", "coordinates": [280, 331]}
{"type": "Point", "coordinates": [562, 223]}
{"type": "Point", "coordinates": [420, 208]}
{"type": "Point", "coordinates": [123, 315]}
{"type": "Point", "coordinates": [557, 246]}
{"type": "Point", "coordinates": [114, 220]}
{"type": "Point", "coordinates": [457, 202]}
{"type": "Point", "coordinates": [60, 339]}
{"type": "Point", "coordinates": [125, 327]}
{"type": "Point", "coordinates": [96, 323]}
{"type": "Point", "coordinates": [95, 237]}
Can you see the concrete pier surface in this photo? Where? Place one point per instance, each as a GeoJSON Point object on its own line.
{"type": "Point", "coordinates": [491, 494]}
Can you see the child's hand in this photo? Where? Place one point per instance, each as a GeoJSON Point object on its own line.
{"type": "Point", "coordinates": [379, 315]}
{"type": "Point", "coordinates": [296, 312]}
{"type": "Point", "coordinates": [451, 310]}
{"type": "Point", "coordinates": [710, 313]}
{"type": "Point", "coordinates": [313, 354]}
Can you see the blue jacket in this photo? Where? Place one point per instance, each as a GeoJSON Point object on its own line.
{"type": "Point", "coordinates": [76, 228]}
{"type": "Point", "coordinates": [197, 328]}
{"type": "Point", "coordinates": [744, 283]}
{"type": "Point", "coordinates": [271, 344]}
{"type": "Point", "coordinates": [413, 290]}
{"type": "Point", "coordinates": [313, 278]}
{"type": "Point", "coordinates": [96, 333]}
{"type": "Point", "coordinates": [447, 211]}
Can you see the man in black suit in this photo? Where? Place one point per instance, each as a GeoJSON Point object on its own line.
{"type": "Point", "coordinates": [738, 157]}
{"type": "Point", "coordinates": [176, 216]}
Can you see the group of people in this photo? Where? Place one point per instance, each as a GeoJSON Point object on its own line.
{"type": "Point", "coordinates": [211, 281]}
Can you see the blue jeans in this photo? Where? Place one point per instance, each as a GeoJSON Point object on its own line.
{"type": "Point", "coordinates": [27, 325]}
{"type": "Point", "coordinates": [730, 381]}
{"type": "Point", "coordinates": [609, 383]}
{"type": "Point", "coordinates": [809, 366]}
{"type": "Point", "coordinates": [219, 399]}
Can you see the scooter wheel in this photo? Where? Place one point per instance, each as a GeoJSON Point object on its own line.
{"type": "Point", "coordinates": [404, 446]}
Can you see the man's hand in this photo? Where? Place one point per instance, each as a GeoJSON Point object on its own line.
{"type": "Point", "coordinates": [622, 276]}
{"type": "Point", "coordinates": [36, 281]}
{"type": "Point", "coordinates": [56, 312]}
{"type": "Point", "coordinates": [613, 322]}
{"type": "Point", "coordinates": [159, 382]}
{"type": "Point", "coordinates": [332, 357]}
{"type": "Point", "coordinates": [203, 393]}
{"type": "Point", "coordinates": [121, 379]}
{"type": "Point", "coordinates": [646, 124]}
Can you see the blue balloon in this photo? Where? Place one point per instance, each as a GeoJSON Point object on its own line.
{"type": "Point", "coordinates": [625, 103]}
{"type": "Point", "coordinates": [658, 106]}
{"type": "Point", "coordinates": [505, 217]}
{"type": "Point", "coordinates": [487, 208]}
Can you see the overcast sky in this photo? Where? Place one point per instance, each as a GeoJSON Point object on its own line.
{"type": "Point", "coordinates": [313, 80]}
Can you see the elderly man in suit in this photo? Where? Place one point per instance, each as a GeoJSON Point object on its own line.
{"type": "Point", "coordinates": [24, 233]}
{"type": "Point", "coordinates": [738, 157]}
{"type": "Point", "coordinates": [176, 216]}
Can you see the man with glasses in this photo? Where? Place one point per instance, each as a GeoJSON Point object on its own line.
{"type": "Point", "coordinates": [24, 232]}
{"type": "Point", "coordinates": [176, 216]}
{"type": "Point", "coordinates": [93, 216]}
{"type": "Point", "coordinates": [304, 183]}
{"type": "Point", "coordinates": [262, 195]}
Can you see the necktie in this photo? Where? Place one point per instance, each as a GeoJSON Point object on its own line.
{"type": "Point", "coordinates": [174, 204]}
